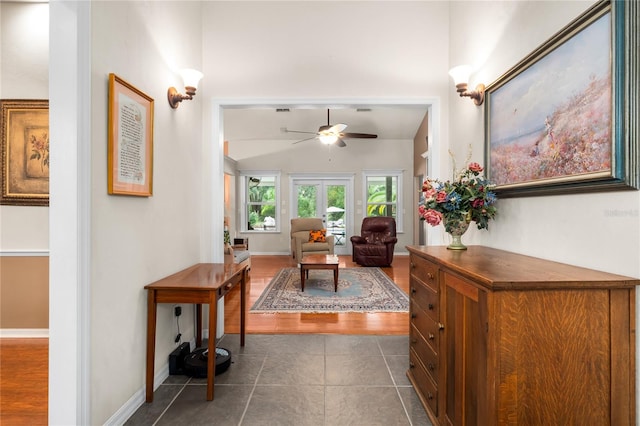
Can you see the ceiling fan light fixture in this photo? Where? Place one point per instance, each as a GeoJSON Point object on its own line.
{"type": "Point", "coordinates": [328, 138]}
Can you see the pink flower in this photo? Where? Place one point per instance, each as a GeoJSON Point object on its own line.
{"type": "Point", "coordinates": [429, 193]}
{"type": "Point", "coordinates": [475, 167]}
{"type": "Point", "coordinates": [441, 197]}
{"type": "Point", "coordinates": [432, 217]}
{"type": "Point", "coordinates": [426, 186]}
{"type": "Point", "coordinates": [478, 202]}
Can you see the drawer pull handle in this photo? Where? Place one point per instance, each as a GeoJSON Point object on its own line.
{"type": "Point", "coordinates": [412, 265]}
{"type": "Point", "coordinates": [414, 341]}
{"type": "Point", "coordinates": [431, 306]}
{"type": "Point", "coordinates": [432, 367]}
{"type": "Point", "coordinates": [411, 365]}
{"type": "Point", "coordinates": [430, 275]}
{"type": "Point", "coordinates": [413, 290]}
{"type": "Point", "coordinates": [429, 396]}
{"type": "Point", "coordinates": [441, 326]}
{"type": "Point", "coordinates": [414, 315]}
{"type": "Point", "coordinates": [431, 336]}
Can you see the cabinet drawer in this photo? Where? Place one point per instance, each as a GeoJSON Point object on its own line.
{"type": "Point", "coordinates": [228, 286]}
{"type": "Point", "coordinates": [426, 298]}
{"type": "Point", "coordinates": [425, 387]}
{"type": "Point", "coordinates": [426, 326]}
{"type": "Point", "coordinates": [424, 352]}
{"type": "Point", "coordinates": [425, 271]}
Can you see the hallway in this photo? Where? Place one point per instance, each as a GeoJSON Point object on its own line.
{"type": "Point", "coordinates": [296, 379]}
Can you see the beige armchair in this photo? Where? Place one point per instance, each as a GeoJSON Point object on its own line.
{"type": "Point", "coordinates": [300, 244]}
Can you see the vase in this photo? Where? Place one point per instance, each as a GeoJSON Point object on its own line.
{"type": "Point", "coordinates": [456, 228]}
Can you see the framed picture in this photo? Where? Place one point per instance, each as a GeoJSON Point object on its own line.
{"type": "Point", "coordinates": [25, 152]}
{"type": "Point", "coordinates": [130, 152]}
{"type": "Point", "coordinates": [561, 120]}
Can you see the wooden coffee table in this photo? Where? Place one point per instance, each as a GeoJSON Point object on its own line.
{"type": "Point", "coordinates": [319, 261]}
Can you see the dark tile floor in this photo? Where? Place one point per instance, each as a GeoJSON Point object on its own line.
{"type": "Point", "coordinates": [299, 379]}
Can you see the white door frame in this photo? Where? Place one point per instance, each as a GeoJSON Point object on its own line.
{"type": "Point", "coordinates": [215, 134]}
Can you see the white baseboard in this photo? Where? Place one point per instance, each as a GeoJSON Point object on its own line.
{"type": "Point", "coordinates": [136, 401]}
{"type": "Point", "coordinates": [24, 333]}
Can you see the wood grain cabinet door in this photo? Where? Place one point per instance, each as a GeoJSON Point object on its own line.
{"type": "Point", "coordinates": [465, 342]}
{"type": "Point", "coordinates": [557, 352]}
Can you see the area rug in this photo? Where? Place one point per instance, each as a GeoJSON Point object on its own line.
{"type": "Point", "coordinates": [359, 290]}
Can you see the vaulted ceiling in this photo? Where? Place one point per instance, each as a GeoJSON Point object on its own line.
{"type": "Point", "coordinates": [388, 122]}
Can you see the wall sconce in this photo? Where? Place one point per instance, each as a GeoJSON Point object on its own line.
{"type": "Point", "coordinates": [190, 78]}
{"type": "Point", "coordinates": [460, 75]}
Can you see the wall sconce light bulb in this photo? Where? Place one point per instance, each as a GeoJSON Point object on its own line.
{"type": "Point", "coordinates": [460, 76]}
{"type": "Point", "coordinates": [191, 78]}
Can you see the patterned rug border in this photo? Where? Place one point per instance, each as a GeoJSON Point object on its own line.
{"type": "Point", "coordinates": [283, 294]}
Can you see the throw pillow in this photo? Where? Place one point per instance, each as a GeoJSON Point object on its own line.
{"type": "Point", "coordinates": [317, 236]}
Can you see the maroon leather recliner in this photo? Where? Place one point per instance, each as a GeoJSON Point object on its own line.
{"type": "Point", "coordinates": [374, 247]}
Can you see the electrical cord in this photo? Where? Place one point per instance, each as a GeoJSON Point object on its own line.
{"type": "Point", "coordinates": [179, 335]}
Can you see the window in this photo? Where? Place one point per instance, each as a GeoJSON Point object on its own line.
{"type": "Point", "coordinates": [260, 199]}
{"type": "Point", "coordinates": [383, 192]}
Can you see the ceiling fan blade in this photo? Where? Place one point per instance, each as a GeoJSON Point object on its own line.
{"type": "Point", "coordinates": [358, 135]}
{"type": "Point", "coordinates": [340, 143]}
{"type": "Point", "coordinates": [298, 131]}
{"type": "Point", "coordinates": [337, 128]}
{"type": "Point", "coordinates": [302, 140]}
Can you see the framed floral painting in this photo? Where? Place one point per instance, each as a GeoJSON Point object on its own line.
{"type": "Point", "coordinates": [25, 152]}
{"type": "Point", "coordinates": [559, 121]}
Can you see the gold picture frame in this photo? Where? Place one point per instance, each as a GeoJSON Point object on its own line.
{"type": "Point", "coordinates": [130, 150]}
{"type": "Point", "coordinates": [25, 152]}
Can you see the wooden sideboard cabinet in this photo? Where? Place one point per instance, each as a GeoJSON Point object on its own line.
{"type": "Point", "coordinates": [498, 338]}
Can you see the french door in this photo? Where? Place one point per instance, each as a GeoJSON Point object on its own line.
{"type": "Point", "coordinates": [329, 198]}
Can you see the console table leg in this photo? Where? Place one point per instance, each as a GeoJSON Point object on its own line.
{"type": "Point", "coordinates": [211, 364]}
{"type": "Point", "coordinates": [198, 325]}
{"type": "Point", "coordinates": [151, 342]}
{"type": "Point", "coordinates": [243, 304]}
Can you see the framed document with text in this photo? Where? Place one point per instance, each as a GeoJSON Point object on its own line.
{"type": "Point", "coordinates": [130, 152]}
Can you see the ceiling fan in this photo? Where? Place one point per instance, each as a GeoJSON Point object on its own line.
{"type": "Point", "coordinates": [328, 134]}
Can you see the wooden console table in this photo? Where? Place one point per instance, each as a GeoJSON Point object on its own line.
{"type": "Point", "coordinates": [200, 283]}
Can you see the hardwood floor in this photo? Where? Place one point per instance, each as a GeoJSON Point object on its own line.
{"type": "Point", "coordinates": [24, 362]}
{"type": "Point", "coordinates": [24, 381]}
{"type": "Point", "coordinates": [263, 268]}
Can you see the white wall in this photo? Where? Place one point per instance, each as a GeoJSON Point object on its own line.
{"type": "Point", "coordinates": [24, 74]}
{"type": "Point", "coordinates": [284, 50]}
{"type": "Point", "coordinates": [137, 240]}
{"type": "Point", "coordinates": [319, 49]}
{"type": "Point", "coordinates": [598, 230]}
{"type": "Point", "coordinates": [313, 157]}
{"type": "Point", "coordinates": [372, 50]}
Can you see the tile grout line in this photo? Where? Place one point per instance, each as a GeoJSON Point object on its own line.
{"type": "Point", "coordinates": [184, 386]}
{"type": "Point", "coordinates": [324, 376]}
{"type": "Point", "coordinates": [255, 384]}
{"type": "Point", "coordinates": [395, 385]}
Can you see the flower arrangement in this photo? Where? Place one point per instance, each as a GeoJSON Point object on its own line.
{"type": "Point", "coordinates": [458, 202]}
